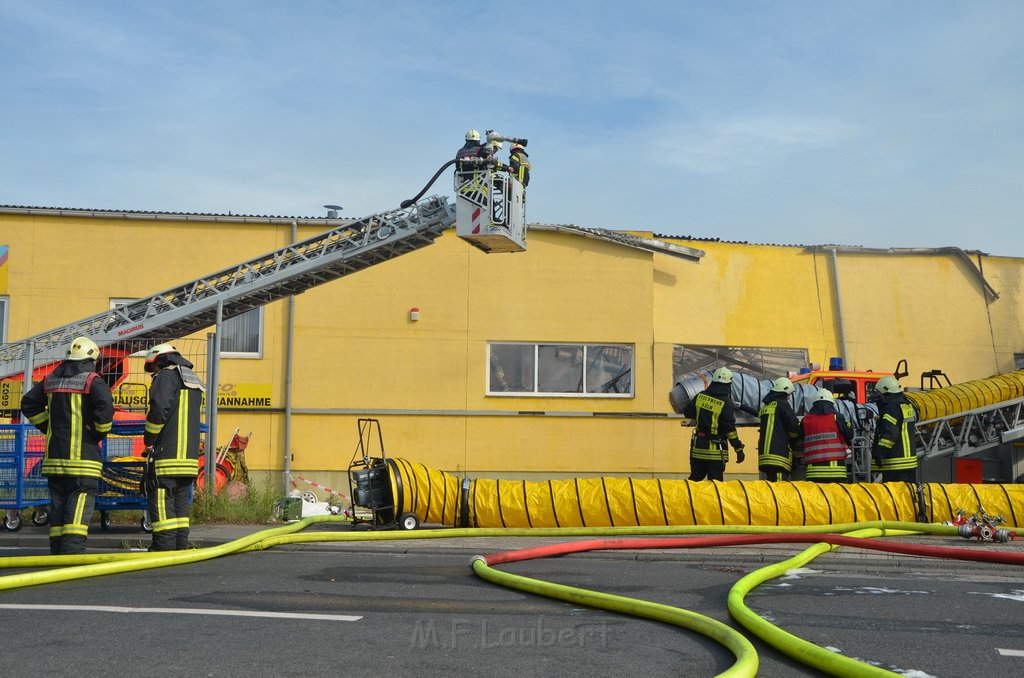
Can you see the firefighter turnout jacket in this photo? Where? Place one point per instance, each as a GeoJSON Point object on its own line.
{"type": "Point", "coordinates": [172, 423]}
{"type": "Point", "coordinates": [715, 418]}
{"type": "Point", "coordinates": [74, 408]}
{"type": "Point", "coordinates": [519, 166]}
{"type": "Point", "coordinates": [780, 430]}
{"type": "Point", "coordinates": [825, 436]}
{"type": "Point", "coordinates": [894, 446]}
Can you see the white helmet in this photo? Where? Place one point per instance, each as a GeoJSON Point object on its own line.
{"type": "Point", "coordinates": [498, 145]}
{"type": "Point", "coordinates": [83, 348]}
{"type": "Point", "coordinates": [824, 394]}
{"type": "Point", "coordinates": [722, 375]}
{"type": "Point", "coordinates": [472, 135]}
{"type": "Point", "coordinates": [782, 385]}
{"type": "Point", "coordinates": [158, 350]}
{"type": "Point", "coordinates": [888, 384]}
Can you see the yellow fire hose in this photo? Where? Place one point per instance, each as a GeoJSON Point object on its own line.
{"type": "Point", "coordinates": [969, 395]}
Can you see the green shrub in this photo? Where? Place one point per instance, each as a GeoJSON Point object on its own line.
{"type": "Point", "coordinates": [255, 508]}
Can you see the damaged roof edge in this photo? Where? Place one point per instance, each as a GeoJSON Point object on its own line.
{"type": "Point", "coordinates": [625, 239]}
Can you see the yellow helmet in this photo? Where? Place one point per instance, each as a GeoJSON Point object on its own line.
{"type": "Point", "coordinates": [472, 135]}
{"type": "Point", "coordinates": [888, 384]}
{"type": "Point", "coordinates": [826, 395]}
{"type": "Point", "coordinates": [83, 348]}
{"type": "Point", "coordinates": [153, 353]}
{"type": "Point", "coordinates": [782, 385]}
{"type": "Point", "coordinates": [722, 375]}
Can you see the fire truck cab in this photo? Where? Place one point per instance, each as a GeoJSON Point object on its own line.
{"type": "Point", "coordinates": [844, 384]}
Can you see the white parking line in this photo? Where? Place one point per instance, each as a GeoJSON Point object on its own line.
{"type": "Point", "coordinates": [1010, 653]}
{"type": "Point", "coordinates": [178, 610]}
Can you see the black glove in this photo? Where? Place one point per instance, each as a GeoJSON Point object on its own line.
{"type": "Point", "coordinates": [740, 455]}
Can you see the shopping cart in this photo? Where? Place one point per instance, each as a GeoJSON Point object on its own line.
{"type": "Point", "coordinates": [22, 484]}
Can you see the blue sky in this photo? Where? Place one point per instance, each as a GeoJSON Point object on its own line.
{"type": "Point", "coordinates": [873, 123]}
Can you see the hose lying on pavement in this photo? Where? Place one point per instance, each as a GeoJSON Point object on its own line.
{"type": "Point", "coordinates": [91, 565]}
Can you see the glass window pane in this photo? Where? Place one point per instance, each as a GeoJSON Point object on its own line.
{"type": "Point", "coordinates": [761, 362]}
{"type": "Point", "coordinates": [511, 368]}
{"type": "Point", "coordinates": [560, 368]}
{"type": "Point", "coordinates": [609, 369]}
{"type": "Point", "coordinates": [241, 334]}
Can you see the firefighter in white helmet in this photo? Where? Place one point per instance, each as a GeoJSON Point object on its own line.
{"type": "Point", "coordinates": [73, 406]}
{"type": "Point", "coordinates": [825, 436]}
{"type": "Point", "coordinates": [778, 433]}
{"type": "Point", "coordinates": [714, 417]}
{"type": "Point", "coordinates": [894, 448]}
{"type": "Point", "coordinates": [471, 149]}
{"type": "Point", "coordinates": [172, 442]}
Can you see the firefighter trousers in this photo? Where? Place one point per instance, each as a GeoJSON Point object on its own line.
{"type": "Point", "coordinates": [169, 507]}
{"type": "Point", "coordinates": [72, 499]}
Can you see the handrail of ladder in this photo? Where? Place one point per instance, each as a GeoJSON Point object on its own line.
{"type": "Point", "coordinates": [190, 307]}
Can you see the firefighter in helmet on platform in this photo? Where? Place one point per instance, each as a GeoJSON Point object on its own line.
{"type": "Point", "coordinates": [779, 432]}
{"type": "Point", "coordinates": [519, 164]}
{"type": "Point", "coordinates": [73, 406]}
{"type": "Point", "coordinates": [471, 149]}
{"type": "Point", "coordinates": [172, 444]}
{"type": "Point", "coordinates": [894, 447]}
{"type": "Point", "coordinates": [714, 418]}
{"type": "Point", "coordinates": [825, 436]}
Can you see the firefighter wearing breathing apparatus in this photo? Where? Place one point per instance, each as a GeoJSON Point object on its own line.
{"type": "Point", "coordinates": [825, 437]}
{"type": "Point", "coordinates": [779, 432]}
{"type": "Point", "coordinates": [894, 448]}
{"type": "Point", "coordinates": [172, 442]}
{"type": "Point", "coordinates": [73, 406]}
{"type": "Point", "coordinates": [714, 416]}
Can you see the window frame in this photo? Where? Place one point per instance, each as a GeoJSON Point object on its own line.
{"type": "Point", "coordinates": [537, 366]}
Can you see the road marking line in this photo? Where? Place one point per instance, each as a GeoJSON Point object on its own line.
{"type": "Point", "coordinates": [177, 610]}
{"type": "Point", "coordinates": [1010, 653]}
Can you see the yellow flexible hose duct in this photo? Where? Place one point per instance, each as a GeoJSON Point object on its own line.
{"type": "Point", "coordinates": [436, 497]}
{"type": "Point", "coordinates": [969, 395]}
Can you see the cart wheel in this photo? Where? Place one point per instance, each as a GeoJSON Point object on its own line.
{"type": "Point", "coordinates": [408, 521]}
{"type": "Point", "coordinates": [40, 517]}
{"type": "Point", "coordinates": [146, 525]}
{"type": "Point", "coordinates": [104, 520]}
{"type": "Point", "coordinates": [12, 521]}
{"type": "Point", "coordinates": [309, 497]}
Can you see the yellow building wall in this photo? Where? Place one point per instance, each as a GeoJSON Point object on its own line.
{"type": "Point", "coordinates": [358, 354]}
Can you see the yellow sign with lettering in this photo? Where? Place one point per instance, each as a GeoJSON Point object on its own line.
{"type": "Point", "coordinates": [10, 395]}
{"type": "Point", "coordinates": [134, 396]}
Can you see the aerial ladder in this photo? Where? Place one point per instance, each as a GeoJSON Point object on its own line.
{"type": "Point", "coordinates": [489, 213]}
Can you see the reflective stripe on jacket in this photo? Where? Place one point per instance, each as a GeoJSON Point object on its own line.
{"type": "Point", "coordinates": [821, 439]}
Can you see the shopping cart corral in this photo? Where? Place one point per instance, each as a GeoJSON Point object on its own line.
{"type": "Point", "coordinates": [22, 484]}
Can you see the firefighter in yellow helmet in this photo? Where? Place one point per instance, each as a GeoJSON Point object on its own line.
{"type": "Point", "coordinates": [73, 406]}
{"type": "Point", "coordinates": [714, 418]}
{"type": "Point", "coordinates": [779, 432]}
{"type": "Point", "coordinates": [894, 447]}
{"type": "Point", "coordinates": [519, 164]}
{"type": "Point", "coordinates": [825, 436]}
{"type": "Point", "coordinates": [172, 442]}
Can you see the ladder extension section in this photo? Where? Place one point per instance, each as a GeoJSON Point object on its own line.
{"type": "Point", "coordinates": [965, 433]}
{"type": "Point", "coordinates": [290, 270]}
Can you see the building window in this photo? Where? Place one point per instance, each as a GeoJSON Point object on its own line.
{"type": "Point", "coordinates": [763, 363]}
{"type": "Point", "coordinates": [585, 370]}
{"type": "Point", "coordinates": [1018, 361]}
{"type": "Point", "coordinates": [243, 335]}
{"type": "Point", "coordinates": [3, 319]}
